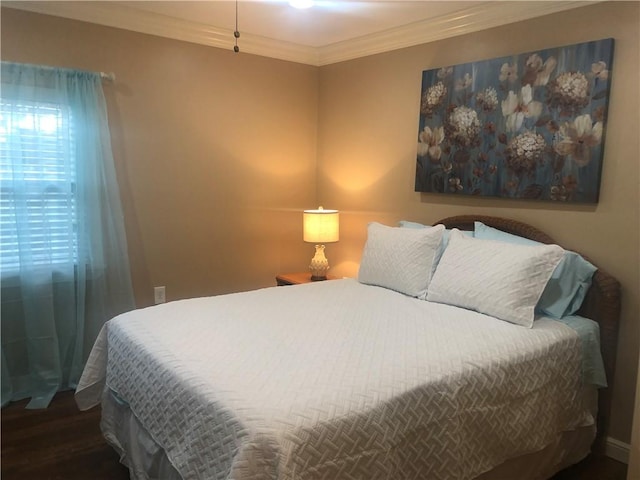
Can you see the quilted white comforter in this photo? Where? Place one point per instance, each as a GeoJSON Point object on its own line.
{"type": "Point", "coordinates": [338, 380]}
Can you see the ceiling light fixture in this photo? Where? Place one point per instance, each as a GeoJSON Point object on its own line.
{"type": "Point", "coordinates": [301, 4]}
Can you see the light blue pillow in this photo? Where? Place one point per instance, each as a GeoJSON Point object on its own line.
{"type": "Point", "coordinates": [569, 282]}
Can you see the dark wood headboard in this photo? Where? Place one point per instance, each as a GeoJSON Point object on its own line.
{"type": "Point", "coordinates": [601, 304]}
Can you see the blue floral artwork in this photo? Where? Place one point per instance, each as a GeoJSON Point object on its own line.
{"type": "Point", "coordinates": [527, 126]}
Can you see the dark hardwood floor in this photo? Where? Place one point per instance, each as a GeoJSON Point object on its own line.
{"type": "Point", "coordinates": [59, 443]}
{"type": "Point", "coordinates": [62, 443]}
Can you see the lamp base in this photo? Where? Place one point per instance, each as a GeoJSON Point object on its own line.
{"type": "Point", "coordinates": [319, 265]}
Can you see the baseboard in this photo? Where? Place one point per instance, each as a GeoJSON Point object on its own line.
{"type": "Point", "coordinates": [617, 450]}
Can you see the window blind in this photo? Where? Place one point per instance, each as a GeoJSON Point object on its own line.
{"type": "Point", "coordinates": [37, 183]}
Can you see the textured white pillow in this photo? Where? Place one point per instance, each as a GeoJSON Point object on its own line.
{"type": "Point", "coordinates": [492, 277]}
{"type": "Point", "coordinates": [400, 259]}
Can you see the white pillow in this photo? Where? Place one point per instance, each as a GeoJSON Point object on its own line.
{"type": "Point", "coordinates": [496, 278]}
{"type": "Point", "coordinates": [400, 259]}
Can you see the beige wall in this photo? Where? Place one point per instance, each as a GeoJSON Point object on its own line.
{"type": "Point", "coordinates": [367, 138]}
{"type": "Point", "coordinates": [215, 152]}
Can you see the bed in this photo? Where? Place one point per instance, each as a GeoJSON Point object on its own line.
{"type": "Point", "coordinates": [383, 376]}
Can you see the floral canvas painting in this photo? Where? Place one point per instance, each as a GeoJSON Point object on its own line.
{"type": "Point", "coordinates": [527, 126]}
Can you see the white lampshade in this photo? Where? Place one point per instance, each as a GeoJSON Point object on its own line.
{"type": "Point", "coordinates": [321, 226]}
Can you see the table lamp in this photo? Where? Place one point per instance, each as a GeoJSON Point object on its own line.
{"type": "Point", "coordinates": [320, 226]}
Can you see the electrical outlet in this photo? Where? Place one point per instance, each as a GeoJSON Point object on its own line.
{"type": "Point", "coordinates": [159, 295]}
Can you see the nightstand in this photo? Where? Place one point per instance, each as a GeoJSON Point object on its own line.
{"type": "Point", "coordinates": [297, 278]}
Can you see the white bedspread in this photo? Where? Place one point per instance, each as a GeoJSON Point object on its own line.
{"type": "Point", "coordinates": [338, 380]}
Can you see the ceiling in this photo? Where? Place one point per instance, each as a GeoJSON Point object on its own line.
{"type": "Point", "coordinates": [328, 32]}
{"type": "Point", "coordinates": [326, 22]}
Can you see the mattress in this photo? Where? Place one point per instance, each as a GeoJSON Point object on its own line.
{"type": "Point", "coordinates": [338, 380]}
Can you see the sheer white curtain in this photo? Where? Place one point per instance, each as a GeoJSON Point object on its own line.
{"type": "Point", "coordinates": [64, 261]}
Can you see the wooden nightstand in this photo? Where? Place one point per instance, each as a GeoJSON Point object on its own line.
{"type": "Point", "coordinates": [297, 278]}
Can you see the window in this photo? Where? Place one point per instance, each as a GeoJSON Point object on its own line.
{"type": "Point", "coordinates": [37, 182]}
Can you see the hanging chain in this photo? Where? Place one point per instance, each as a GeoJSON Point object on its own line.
{"type": "Point", "coordinates": [236, 33]}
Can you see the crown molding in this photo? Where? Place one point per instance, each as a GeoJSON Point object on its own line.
{"type": "Point", "coordinates": [127, 18]}
{"type": "Point", "coordinates": [478, 17]}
